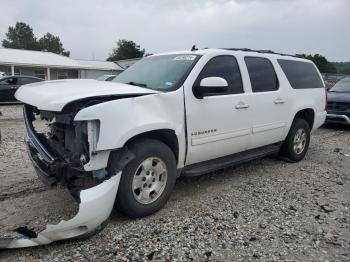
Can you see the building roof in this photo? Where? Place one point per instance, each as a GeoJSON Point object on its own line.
{"type": "Point", "coordinates": [102, 65]}
{"type": "Point", "coordinates": [21, 57]}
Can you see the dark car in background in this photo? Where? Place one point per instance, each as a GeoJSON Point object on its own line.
{"type": "Point", "coordinates": [10, 84]}
{"type": "Point", "coordinates": [338, 106]}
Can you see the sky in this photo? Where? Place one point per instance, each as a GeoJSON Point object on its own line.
{"type": "Point", "coordinates": [90, 29]}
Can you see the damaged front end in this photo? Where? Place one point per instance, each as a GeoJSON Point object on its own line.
{"type": "Point", "coordinates": [65, 154]}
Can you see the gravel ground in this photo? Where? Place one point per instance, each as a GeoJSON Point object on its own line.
{"type": "Point", "coordinates": [266, 210]}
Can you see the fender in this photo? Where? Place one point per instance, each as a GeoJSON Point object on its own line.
{"type": "Point", "coordinates": [120, 120]}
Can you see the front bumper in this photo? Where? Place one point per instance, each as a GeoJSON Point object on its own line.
{"type": "Point", "coordinates": [335, 118]}
{"type": "Point", "coordinates": [95, 207]}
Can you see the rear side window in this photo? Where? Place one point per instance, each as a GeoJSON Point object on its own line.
{"type": "Point", "coordinates": [262, 74]}
{"type": "Point", "coordinates": [301, 75]}
{"type": "Point", "coordinates": [226, 67]}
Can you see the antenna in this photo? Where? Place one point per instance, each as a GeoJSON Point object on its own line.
{"type": "Point", "coordinates": [194, 48]}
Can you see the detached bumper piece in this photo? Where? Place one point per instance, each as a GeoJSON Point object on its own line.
{"type": "Point", "coordinates": [95, 203]}
{"type": "Point", "coordinates": [94, 209]}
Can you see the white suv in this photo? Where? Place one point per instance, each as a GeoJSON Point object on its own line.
{"type": "Point", "coordinates": [181, 113]}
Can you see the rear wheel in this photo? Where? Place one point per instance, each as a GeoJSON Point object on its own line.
{"type": "Point", "coordinates": [148, 180]}
{"type": "Point", "coordinates": [297, 142]}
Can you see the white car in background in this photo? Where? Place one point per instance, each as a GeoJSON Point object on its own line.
{"type": "Point", "coordinates": [106, 77]}
{"type": "Point", "coordinates": [125, 142]}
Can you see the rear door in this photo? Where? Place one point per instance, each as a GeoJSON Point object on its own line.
{"type": "Point", "coordinates": [218, 124]}
{"type": "Point", "coordinates": [270, 112]}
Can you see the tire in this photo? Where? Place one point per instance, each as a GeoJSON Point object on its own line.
{"type": "Point", "coordinates": [289, 149]}
{"type": "Point", "coordinates": [152, 158]}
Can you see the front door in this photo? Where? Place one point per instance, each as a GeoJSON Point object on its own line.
{"type": "Point", "coordinates": [218, 124]}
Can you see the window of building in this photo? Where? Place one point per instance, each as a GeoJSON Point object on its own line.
{"type": "Point", "coordinates": [226, 67]}
{"type": "Point", "coordinates": [40, 73]}
{"type": "Point", "coordinates": [262, 75]}
{"type": "Point", "coordinates": [62, 75]}
{"type": "Point", "coordinates": [17, 71]}
{"type": "Point", "coordinates": [300, 74]}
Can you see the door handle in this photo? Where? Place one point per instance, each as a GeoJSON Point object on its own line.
{"type": "Point", "coordinates": [241, 105]}
{"type": "Point", "coordinates": [279, 101]}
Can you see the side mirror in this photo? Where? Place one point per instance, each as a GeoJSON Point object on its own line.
{"type": "Point", "coordinates": [209, 86]}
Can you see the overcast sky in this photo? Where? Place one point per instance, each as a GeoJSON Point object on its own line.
{"type": "Point", "coordinates": [90, 29]}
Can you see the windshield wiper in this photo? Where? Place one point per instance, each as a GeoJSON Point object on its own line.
{"type": "Point", "coordinates": [137, 84]}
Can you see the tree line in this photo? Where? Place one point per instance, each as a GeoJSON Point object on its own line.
{"type": "Point", "coordinates": [21, 36]}
{"type": "Point", "coordinates": [328, 67]}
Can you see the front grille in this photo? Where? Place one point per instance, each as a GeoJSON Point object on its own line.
{"type": "Point", "coordinates": [339, 106]}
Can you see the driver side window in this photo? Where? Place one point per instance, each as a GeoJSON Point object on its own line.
{"type": "Point", "coordinates": [226, 67]}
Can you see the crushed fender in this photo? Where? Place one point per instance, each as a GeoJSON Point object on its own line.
{"type": "Point", "coordinates": [95, 207]}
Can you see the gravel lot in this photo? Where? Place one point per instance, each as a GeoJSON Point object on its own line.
{"type": "Point", "coordinates": [266, 210]}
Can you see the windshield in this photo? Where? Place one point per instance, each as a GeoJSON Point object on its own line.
{"type": "Point", "coordinates": [162, 73]}
{"type": "Point", "coordinates": [342, 86]}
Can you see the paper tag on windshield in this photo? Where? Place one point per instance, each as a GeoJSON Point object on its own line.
{"type": "Point", "coordinates": [185, 57]}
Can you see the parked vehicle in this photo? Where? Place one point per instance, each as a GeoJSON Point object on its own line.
{"type": "Point", "coordinates": [10, 84]}
{"type": "Point", "coordinates": [338, 106]}
{"type": "Point", "coordinates": [173, 114]}
{"type": "Point", "coordinates": [106, 77]}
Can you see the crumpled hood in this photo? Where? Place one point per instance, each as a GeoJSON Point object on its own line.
{"type": "Point", "coordinates": [339, 97]}
{"type": "Point", "coordinates": [54, 95]}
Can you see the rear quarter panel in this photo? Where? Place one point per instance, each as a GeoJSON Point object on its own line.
{"type": "Point", "coordinates": [299, 99]}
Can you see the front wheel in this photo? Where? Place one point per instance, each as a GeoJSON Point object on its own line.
{"type": "Point", "coordinates": [297, 142]}
{"type": "Point", "coordinates": [148, 180]}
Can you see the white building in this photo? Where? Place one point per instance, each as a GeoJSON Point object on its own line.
{"type": "Point", "coordinates": [52, 66]}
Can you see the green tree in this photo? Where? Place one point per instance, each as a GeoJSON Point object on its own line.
{"type": "Point", "coordinates": [321, 62]}
{"type": "Point", "coordinates": [342, 67]}
{"type": "Point", "coordinates": [20, 37]}
{"type": "Point", "coordinates": [51, 43]}
{"type": "Point", "coordinates": [126, 50]}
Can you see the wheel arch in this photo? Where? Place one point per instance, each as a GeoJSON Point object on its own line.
{"type": "Point", "coordinates": [308, 114]}
{"type": "Point", "coordinates": [167, 136]}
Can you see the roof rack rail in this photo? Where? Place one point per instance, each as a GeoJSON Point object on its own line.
{"type": "Point", "coordinates": [258, 51]}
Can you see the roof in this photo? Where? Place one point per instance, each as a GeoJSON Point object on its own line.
{"type": "Point", "coordinates": [21, 57]}
{"type": "Point", "coordinates": [245, 51]}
